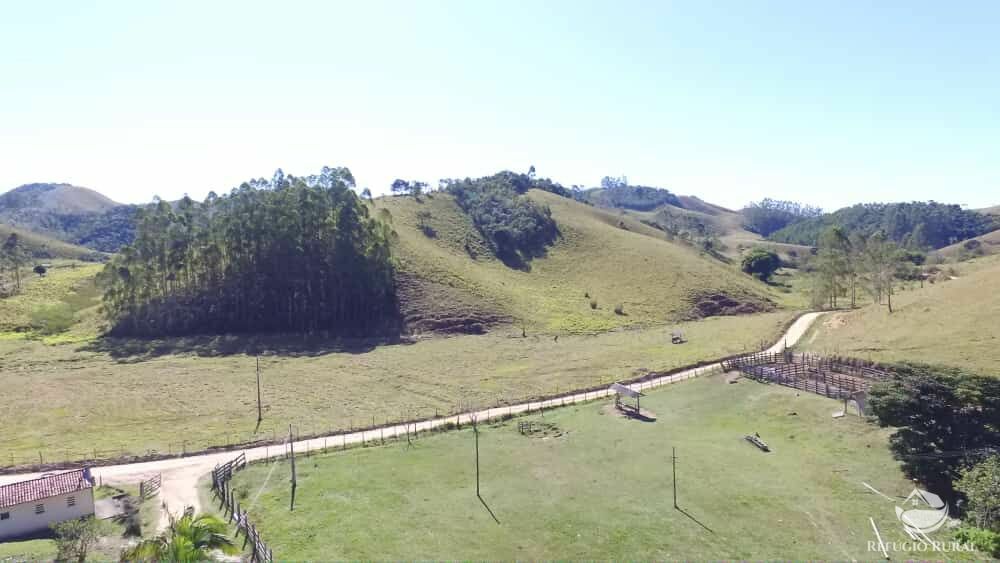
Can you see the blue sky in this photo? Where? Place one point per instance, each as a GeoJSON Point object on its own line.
{"type": "Point", "coordinates": [830, 103]}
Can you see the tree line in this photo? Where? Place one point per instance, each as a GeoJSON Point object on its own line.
{"type": "Point", "coordinates": [771, 215]}
{"type": "Point", "coordinates": [917, 225]}
{"type": "Point", "coordinates": [290, 254]}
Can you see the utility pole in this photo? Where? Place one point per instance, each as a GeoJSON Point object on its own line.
{"type": "Point", "coordinates": [291, 446]}
{"type": "Point", "coordinates": [260, 410]}
{"type": "Point", "coordinates": [673, 459]}
{"type": "Point", "coordinates": [475, 431]}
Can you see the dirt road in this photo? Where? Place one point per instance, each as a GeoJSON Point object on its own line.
{"type": "Point", "coordinates": [181, 475]}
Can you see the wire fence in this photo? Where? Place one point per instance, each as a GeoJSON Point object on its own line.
{"type": "Point", "coordinates": [503, 405]}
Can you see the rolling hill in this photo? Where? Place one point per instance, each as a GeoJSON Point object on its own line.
{"type": "Point", "coordinates": [69, 213]}
{"type": "Point", "coordinates": [449, 280]}
{"type": "Point", "coordinates": [41, 247]}
{"type": "Point", "coordinates": [689, 218]}
{"type": "Point", "coordinates": [949, 323]}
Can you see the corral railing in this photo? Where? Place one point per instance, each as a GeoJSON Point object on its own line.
{"type": "Point", "coordinates": [221, 476]}
{"type": "Point", "coordinates": [830, 376]}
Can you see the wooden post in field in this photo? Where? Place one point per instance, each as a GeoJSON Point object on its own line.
{"type": "Point", "coordinates": [475, 431]}
{"type": "Point", "coordinates": [260, 409]}
{"type": "Point", "coordinates": [291, 445]}
{"type": "Point", "coordinates": [673, 459]}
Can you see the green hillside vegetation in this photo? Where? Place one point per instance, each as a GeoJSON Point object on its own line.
{"type": "Point", "coordinates": [40, 247]}
{"type": "Point", "coordinates": [917, 225]}
{"type": "Point", "coordinates": [65, 284]}
{"type": "Point", "coordinates": [69, 213]}
{"type": "Point", "coordinates": [952, 322]}
{"type": "Point", "coordinates": [586, 483]}
{"type": "Point", "coordinates": [451, 280]}
{"type": "Point", "coordinates": [984, 245]}
{"type": "Point", "coordinates": [622, 196]}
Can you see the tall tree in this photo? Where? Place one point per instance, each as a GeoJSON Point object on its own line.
{"type": "Point", "coordinates": [881, 261]}
{"type": "Point", "coordinates": [290, 254]}
{"type": "Point", "coordinates": [15, 257]}
{"type": "Point", "coordinates": [834, 263]}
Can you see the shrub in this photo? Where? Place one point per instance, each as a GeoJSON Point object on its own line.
{"type": "Point", "coordinates": [619, 309]}
{"type": "Point", "coordinates": [52, 319]}
{"type": "Point", "coordinates": [986, 541]}
{"type": "Point", "coordinates": [593, 303]}
{"type": "Point", "coordinates": [760, 263]}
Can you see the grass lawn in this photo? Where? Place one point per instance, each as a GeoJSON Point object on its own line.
{"type": "Point", "coordinates": [69, 400]}
{"type": "Point", "coordinates": [601, 488]}
{"type": "Point", "coordinates": [71, 283]}
{"type": "Point", "coordinates": [949, 323]}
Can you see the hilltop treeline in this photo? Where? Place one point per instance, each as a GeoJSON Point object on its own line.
{"type": "Point", "coordinates": [770, 215]}
{"type": "Point", "coordinates": [516, 227]}
{"type": "Point", "coordinates": [289, 254]}
{"type": "Point", "coordinates": [917, 225]}
{"type": "Point", "coordinates": [618, 193]}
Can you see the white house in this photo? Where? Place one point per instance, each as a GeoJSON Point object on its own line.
{"type": "Point", "coordinates": [30, 507]}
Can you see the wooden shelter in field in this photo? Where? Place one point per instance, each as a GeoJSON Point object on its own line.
{"type": "Point", "coordinates": [624, 390]}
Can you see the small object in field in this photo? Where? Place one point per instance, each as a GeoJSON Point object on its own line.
{"type": "Point", "coordinates": [838, 414]}
{"type": "Point", "coordinates": [677, 337]}
{"type": "Point", "coordinates": [793, 413]}
{"type": "Point", "coordinates": [755, 440]}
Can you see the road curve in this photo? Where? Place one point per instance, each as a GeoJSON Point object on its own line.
{"type": "Point", "coordinates": [181, 475]}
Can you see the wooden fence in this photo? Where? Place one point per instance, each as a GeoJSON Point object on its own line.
{"type": "Point", "coordinates": [221, 476]}
{"type": "Point", "coordinates": [150, 487]}
{"type": "Point", "coordinates": [833, 377]}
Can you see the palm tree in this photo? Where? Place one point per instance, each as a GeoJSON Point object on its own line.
{"type": "Point", "coordinates": [187, 540]}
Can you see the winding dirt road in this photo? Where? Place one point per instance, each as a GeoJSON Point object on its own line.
{"type": "Point", "coordinates": [181, 475]}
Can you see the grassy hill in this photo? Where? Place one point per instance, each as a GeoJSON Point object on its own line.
{"type": "Point", "coordinates": [55, 198]}
{"type": "Point", "coordinates": [952, 323]}
{"type": "Point", "coordinates": [984, 245]}
{"type": "Point", "coordinates": [41, 247]}
{"type": "Point", "coordinates": [449, 280]}
{"type": "Point", "coordinates": [995, 210]}
{"type": "Point", "coordinates": [70, 213]}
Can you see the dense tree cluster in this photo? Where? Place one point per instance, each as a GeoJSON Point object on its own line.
{"type": "Point", "coordinates": [618, 194]}
{"type": "Point", "coordinates": [516, 227]}
{"type": "Point", "coordinates": [917, 225]}
{"type": "Point", "coordinates": [769, 215]}
{"type": "Point", "coordinates": [106, 232]}
{"type": "Point", "coordinates": [938, 413]}
{"type": "Point", "coordinates": [289, 255]}
{"type": "Point", "coordinates": [760, 263]}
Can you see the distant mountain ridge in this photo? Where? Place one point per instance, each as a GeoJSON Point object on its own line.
{"type": "Point", "coordinates": [69, 213]}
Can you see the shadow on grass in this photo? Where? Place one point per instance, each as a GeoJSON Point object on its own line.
{"type": "Point", "coordinates": [695, 520]}
{"type": "Point", "coordinates": [130, 350]}
{"type": "Point", "coordinates": [488, 509]}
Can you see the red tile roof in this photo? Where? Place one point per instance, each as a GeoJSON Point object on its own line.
{"type": "Point", "coordinates": [43, 487]}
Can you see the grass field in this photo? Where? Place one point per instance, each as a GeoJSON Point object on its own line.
{"type": "Point", "coordinates": [69, 400]}
{"type": "Point", "coordinates": [597, 486]}
{"type": "Point", "coordinates": [65, 282]}
{"type": "Point", "coordinates": [951, 323]}
{"type": "Point", "coordinates": [601, 255]}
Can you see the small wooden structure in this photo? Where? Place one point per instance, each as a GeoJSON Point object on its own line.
{"type": "Point", "coordinates": [755, 440]}
{"type": "Point", "coordinates": [627, 391]}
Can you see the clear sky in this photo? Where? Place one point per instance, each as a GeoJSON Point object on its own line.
{"type": "Point", "coordinates": [826, 102]}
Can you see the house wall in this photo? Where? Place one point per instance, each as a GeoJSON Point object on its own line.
{"type": "Point", "coordinates": [24, 522]}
